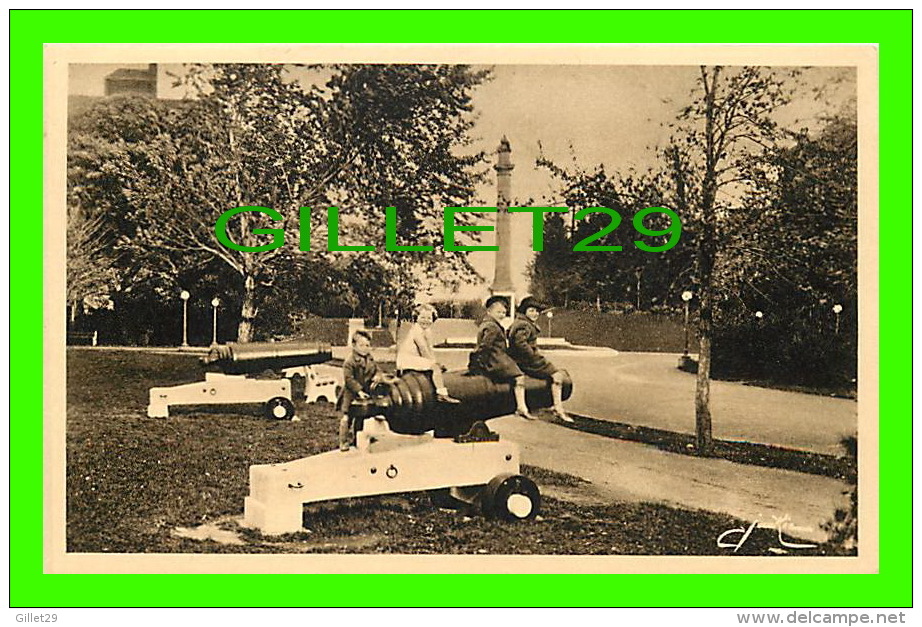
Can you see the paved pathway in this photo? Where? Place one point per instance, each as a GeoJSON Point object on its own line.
{"type": "Point", "coordinates": [620, 470]}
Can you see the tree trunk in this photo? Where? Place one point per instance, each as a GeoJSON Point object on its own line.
{"type": "Point", "coordinates": [247, 310]}
{"type": "Point", "coordinates": [598, 302]}
{"type": "Point", "coordinates": [706, 256]}
{"type": "Point", "coordinates": [707, 253]}
{"type": "Point", "coordinates": [703, 435]}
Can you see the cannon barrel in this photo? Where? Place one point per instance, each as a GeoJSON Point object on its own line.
{"type": "Point", "coordinates": [257, 357]}
{"type": "Point", "coordinates": [410, 406]}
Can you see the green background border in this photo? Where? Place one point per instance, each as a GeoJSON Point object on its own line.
{"type": "Point", "coordinates": [892, 30]}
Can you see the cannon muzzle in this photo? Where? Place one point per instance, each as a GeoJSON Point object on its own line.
{"type": "Point", "coordinates": [258, 357]}
{"type": "Point", "coordinates": [410, 406]}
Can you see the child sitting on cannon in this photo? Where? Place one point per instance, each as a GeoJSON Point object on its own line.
{"type": "Point", "coordinates": [523, 348]}
{"type": "Point", "coordinates": [491, 357]}
{"type": "Point", "coordinates": [415, 353]}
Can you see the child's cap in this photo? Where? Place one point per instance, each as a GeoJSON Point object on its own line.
{"type": "Point", "coordinates": [496, 299]}
{"type": "Point", "coordinates": [527, 302]}
{"type": "Point", "coordinates": [361, 333]}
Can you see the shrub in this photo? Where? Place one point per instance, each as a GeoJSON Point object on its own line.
{"type": "Point", "coordinates": [843, 528]}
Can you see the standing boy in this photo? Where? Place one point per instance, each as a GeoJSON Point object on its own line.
{"type": "Point", "coordinates": [360, 372]}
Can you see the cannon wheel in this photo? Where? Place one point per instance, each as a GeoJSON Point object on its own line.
{"type": "Point", "coordinates": [511, 497]}
{"type": "Point", "coordinates": [279, 408]}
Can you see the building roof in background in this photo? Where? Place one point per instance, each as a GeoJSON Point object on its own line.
{"type": "Point", "coordinates": [125, 74]}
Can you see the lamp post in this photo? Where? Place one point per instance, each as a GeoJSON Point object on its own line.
{"type": "Point", "coordinates": [184, 295]}
{"type": "Point", "coordinates": [214, 320]}
{"type": "Point", "coordinates": [550, 316]}
{"type": "Point", "coordinates": [686, 296]}
{"type": "Point", "coordinates": [837, 309]}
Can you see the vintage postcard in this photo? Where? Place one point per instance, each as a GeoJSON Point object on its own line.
{"type": "Point", "coordinates": [473, 309]}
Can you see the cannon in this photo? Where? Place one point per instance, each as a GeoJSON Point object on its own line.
{"type": "Point", "coordinates": [410, 407]}
{"type": "Point", "coordinates": [408, 441]}
{"type": "Point", "coordinates": [231, 377]}
{"type": "Point", "coordinates": [252, 358]}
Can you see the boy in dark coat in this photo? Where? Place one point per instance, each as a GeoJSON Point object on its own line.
{"type": "Point", "coordinates": [491, 358]}
{"type": "Point", "coordinates": [360, 372]}
{"type": "Point", "coordinates": [523, 348]}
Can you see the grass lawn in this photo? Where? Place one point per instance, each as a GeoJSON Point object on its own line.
{"type": "Point", "coordinates": [137, 484]}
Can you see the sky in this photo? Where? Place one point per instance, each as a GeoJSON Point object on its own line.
{"type": "Point", "coordinates": [611, 115]}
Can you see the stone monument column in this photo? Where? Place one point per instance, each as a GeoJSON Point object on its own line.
{"type": "Point", "coordinates": [502, 276]}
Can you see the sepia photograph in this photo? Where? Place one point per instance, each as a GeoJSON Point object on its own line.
{"type": "Point", "coordinates": [461, 309]}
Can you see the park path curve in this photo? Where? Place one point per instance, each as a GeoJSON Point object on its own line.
{"type": "Point", "coordinates": [621, 470]}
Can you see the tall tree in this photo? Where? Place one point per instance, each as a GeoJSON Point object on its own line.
{"type": "Point", "coordinates": [101, 144]}
{"type": "Point", "coordinates": [254, 135]}
{"type": "Point", "coordinates": [91, 270]}
{"type": "Point", "coordinates": [728, 124]}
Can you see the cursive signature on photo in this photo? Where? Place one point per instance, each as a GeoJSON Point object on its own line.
{"type": "Point", "coordinates": [781, 523]}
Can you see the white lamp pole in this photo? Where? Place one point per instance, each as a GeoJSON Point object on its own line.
{"type": "Point", "coordinates": [837, 309]}
{"type": "Point", "coordinates": [550, 317]}
{"type": "Point", "coordinates": [184, 295]}
{"type": "Point", "coordinates": [214, 320]}
{"type": "Point", "coordinates": [686, 296]}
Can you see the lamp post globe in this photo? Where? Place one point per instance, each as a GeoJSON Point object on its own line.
{"type": "Point", "coordinates": [687, 296]}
